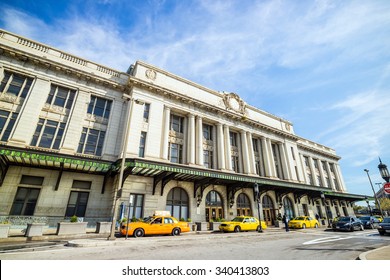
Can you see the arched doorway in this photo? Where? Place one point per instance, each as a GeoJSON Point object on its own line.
{"type": "Point", "coordinates": [268, 210]}
{"type": "Point", "coordinates": [288, 208]}
{"type": "Point", "coordinates": [243, 205]}
{"type": "Point", "coordinates": [177, 203]}
{"type": "Point", "coordinates": [214, 206]}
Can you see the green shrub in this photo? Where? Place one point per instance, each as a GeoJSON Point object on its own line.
{"type": "Point", "coordinates": [73, 219]}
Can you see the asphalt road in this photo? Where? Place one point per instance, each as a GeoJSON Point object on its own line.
{"type": "Point", "coordinates": [309, 244]}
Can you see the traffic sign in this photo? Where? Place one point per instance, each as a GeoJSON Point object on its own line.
{"type": "Point", "coordinates": [386, 187]}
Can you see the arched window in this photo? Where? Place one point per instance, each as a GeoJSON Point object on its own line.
{"type": "Point", "coordinates": [214, 206]}
{"type": "Point", "coordinates": [288, 208]}
{"type": "Point", "coordinates": [267, 202]}
{"type": "Point", "coordinates": [243, 205]}
{"type": "Point", "coordinates": [213, 199]}
{"type": "Point", "coordinates": [177, 203]}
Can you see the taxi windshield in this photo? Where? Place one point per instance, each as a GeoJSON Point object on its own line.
{"type": "Point", "coordinates": [238, 219]}
{"type": "Point", "coordinates": [300, 218]}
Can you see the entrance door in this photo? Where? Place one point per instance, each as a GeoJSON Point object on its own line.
{"type": "Point", "coordinates": [269, 216]}
{"type": "Point", "coordinates": [214, 213]}
{"type": "Point", "coordinates": [244, 212]}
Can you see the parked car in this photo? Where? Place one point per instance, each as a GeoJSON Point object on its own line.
{"type": "Point", "coordinates": [348, 224]}
{"type": "Point", "coordinates": [303, 222]}
{"type": "Point", "coordinates": [155, 225]}
{"type": "Point", "coordinates": [384, 226]}
{"type": "Point", "coordinates": [369, 221]}
{"type": "Point", "coordinates": [242, 223]}
{"type": "Point", "coordinates": [380, 218]}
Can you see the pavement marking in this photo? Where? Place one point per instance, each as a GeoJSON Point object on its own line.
{"type": "Point", "coordinates": [326, 239]}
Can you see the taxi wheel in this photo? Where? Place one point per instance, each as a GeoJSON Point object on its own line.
{"type": "Point", "coordinates": [139, 232]}
{"type": "Point", "coordinates": [316, 225]}
{"type": "Point", "coordinates": [303, 226]}
{"type": "Point", "coordinates": [237, 229]}
{"type": "Point", "coordinates": [176, 231]}
{"type": "Point", "coordinates": [361, 227]}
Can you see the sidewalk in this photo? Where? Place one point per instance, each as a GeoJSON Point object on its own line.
{"type": "Point", "coordinates": [382, 253]}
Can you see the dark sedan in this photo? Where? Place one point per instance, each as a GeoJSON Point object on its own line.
{"type": "Point", "coordinates": [369, 222]}
{"type": "Point", "coordinates": [348, 224]}
{"type": "Point", "coordinates": [384, 226]}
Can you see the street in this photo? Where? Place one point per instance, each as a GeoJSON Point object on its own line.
{"type": "Point", "coordinates": [309, 244]}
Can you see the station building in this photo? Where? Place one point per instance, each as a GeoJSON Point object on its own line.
{"type": "Point", "coordinates": [79, 138]}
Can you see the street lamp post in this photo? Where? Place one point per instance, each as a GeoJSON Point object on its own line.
{"type": "Point", "coordinates": [257, 198]}
{"type": "Point", "coordinates": [368, 205]}
{"type": "Point", "coordinates": [130, 102]}
{"type": "Point", "coordinates": [326, 210]}
{"type": "Point", "coordinates": [372, 187]}
{"type": "Point", "coordinates": [383, 170]}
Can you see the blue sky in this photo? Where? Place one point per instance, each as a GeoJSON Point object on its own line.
{"type": "Point", "coordinates": [323, 65]}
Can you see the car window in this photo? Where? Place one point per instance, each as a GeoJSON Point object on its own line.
{"type": "Point", "coordinates": [246, 220]}
{"type": "Point", "coordinates": [168, 221]}
{"type": "Point", "coordinates": [157, 221]}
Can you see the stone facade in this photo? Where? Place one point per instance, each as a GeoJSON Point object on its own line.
{"type": "Point", "coordinates": [189, 149]}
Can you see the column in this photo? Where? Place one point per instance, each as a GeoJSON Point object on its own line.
{"type": "Point", "coordinates": [262, 165]}
{"type": "Point", "coordinates": [322, 175]}
{"type": "Point", "coordinates": [199, 141]}
{"type": "Point", "coordinates": [72, 136]}
{"type": "Point", "coordinates": [191, 139]}
{"type": "Point", "coordinates": [271, 158]}
{"type": "Point", "coordinates": [285, 164]}
{"type": "Point", "coordinates": [265, 153]}
{"type": "Point", "coordinates": [221, 147]}
{"type": "Point", "coordinates": [313, 171]}
{"type": "Point", "coordinates": [165, 134]}
{"type": "Point", "coordinates": [339, 177]}
{"type": "Point", "coordinates": [252, 167]}
{"type": "Point", "coordinates": [228, 152]}
{"type": "Point", "coordinates": [245, 152]}
{"type": "Point", "coordinates": [332, 186]}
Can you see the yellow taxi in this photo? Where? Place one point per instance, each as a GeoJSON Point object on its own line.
{"type": "Point", "coordinates": [380, 218]}
{"type": "Point", "coordinates": [159, 224]}
{"type": "Point", "coordinates": [242, 223]}
{"type": "Point", "coordinates": [303, 222]}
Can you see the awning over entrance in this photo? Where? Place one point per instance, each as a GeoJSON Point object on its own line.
{"type": "Point", "coordinates": [165, 172]}
{"type": "Point", "coordinates": [41, 159]}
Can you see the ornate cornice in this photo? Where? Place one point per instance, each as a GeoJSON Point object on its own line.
{"type": "Point", "coordinates": [231, 114]}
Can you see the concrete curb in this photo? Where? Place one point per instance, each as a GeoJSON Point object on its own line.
{"type": "Point", "coordinates": [374, 254]}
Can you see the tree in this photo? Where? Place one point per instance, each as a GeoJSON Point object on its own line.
{"type": "Point", "coordinates": [385, 204]}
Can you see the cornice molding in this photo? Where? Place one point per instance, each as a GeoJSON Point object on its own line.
{"type": "Point", "coordinates": [136, 82]}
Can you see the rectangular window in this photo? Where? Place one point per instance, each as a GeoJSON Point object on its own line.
{"type": "Point", "coordinates": [136, 206]}
{"type": "Point", "coordinates": [142, 141]}
{"type": "Point", "coordinates": [32, 180]}
{"type": "Point", "coordinates": [25, 201]}
{"type": "Point", "coordinates": [277, 161]}
{"type": "Point", "coordinates": [85, 185]}
{"type": "Point", "coordinates": [175, 153]}
{"type": "Point", "coordinates": [257, 166]}
{"type": "Point", "coordinates": [235, 163]}
{"type": "Point", "coordinates": [99, 107]}
{"type": "Point", "coordinates": [77, 204]}
{"type": "Point", "coordinates": [146, 112]}
{"type": "Point", "coordinates": [91, 142]}
{"type": "Point", "coordinates": [254, 144]}
{"type": "Point", "coordinates": [7, 122]}
{"type": "Point", "coordinates": [15, 84]}
{"type": "Point", "coordinates": [292, 153]}
{"type": "Point", "coordinates": [208, 159]}
{"type": "Point", "coordinates": [48, 134]}
{"type": "Point", "coordinates": [61, 96]}
{"type": "Point", "coordinates": [176, 123]}
{"type": "Point", "coordinates": [319, 181]}
{"type": "Point", "coordinates": [233, 139]}
{"type": "Point", "coordinates": [207, 132]}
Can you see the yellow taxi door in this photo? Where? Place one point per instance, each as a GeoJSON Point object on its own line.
{"type": "Point", "coordinates": [168, 225]}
